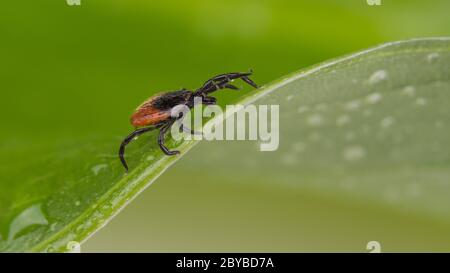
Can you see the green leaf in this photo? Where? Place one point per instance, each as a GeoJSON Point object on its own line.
{"type": "Point", "coordinates": [371, 126]}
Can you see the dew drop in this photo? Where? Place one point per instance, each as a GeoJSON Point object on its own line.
{"type": "Point", "coordinates": [77, 203]}
{"type": "Point", "coordinates": [378, 76]}
{"type": "Point", "coordinates": [409, 91]}
{"type": "Point", "coordinates": [150, 158]}
{"type": "Point", "coordinates": [374, 98]}
{"type": "Point", "coordinates": [29, 217]}
{"type": "Point", "coordinates": [352, 105]}
{"type": "Point", "coordinates": [342, 120]}
{"type": "Point", "coordinates": [315, 120]}
{"type": "Point", "coordinates": [97, 168]}
{"type": "Point", "coordinates": [432, 57]}
{"type": "Point", "coordinates": [387, 122]}
{"type": "Point", "coordinates": [421, 101]}
{"type": "Point", "coordinates": [354, 153]}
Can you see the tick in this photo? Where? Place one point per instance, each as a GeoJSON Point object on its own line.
{"type": "Point", "coordinates": [155, 112]}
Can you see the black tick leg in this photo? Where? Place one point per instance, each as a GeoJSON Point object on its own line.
{"type": "Point", "coordinates": [161, 138]}
{"type": "Point", "coordinates": [223, 81]}
{"type": "Point", "coordinates": [209, 101]}
{"type": "Point", "coordinates": [128, 139]}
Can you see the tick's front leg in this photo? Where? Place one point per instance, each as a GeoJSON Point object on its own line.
{"type": "Point", "coordinates": [224, 81]}
{"type": "Point", "coordinates": [209, 101]}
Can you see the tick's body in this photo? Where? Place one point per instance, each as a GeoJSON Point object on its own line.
{"type": "Point", "coordinates": [157, 108]}
{"type": "Point", "coordinates": [155, 113]}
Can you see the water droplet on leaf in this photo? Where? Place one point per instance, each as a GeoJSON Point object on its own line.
{"type": "Point", "coordinates": [374, 98]}
{"type": "Point", "coordinates": [432, 57]}
{"type": "Point", "coordinates": [315, 120]}
{"type": "Point", "coordinates": [378, 76]}
{"type": "Point", "coordinates": [352, 105]}
{"type": "Point", "coordinates": [421, 101]}
{"type": "Point", "coordinates": [354, 153]}
{"type": "Point", "coordinates": [409, 91]}
{"type": "Point", "coordinates": [97, 168]}
{"type": "Point", "coordinates": [31, 216]}
{"type": "Point", "coordinates": [387, 121]}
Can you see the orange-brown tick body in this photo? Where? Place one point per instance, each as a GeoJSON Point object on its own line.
{"type": "Point", "coordinates": [147, 115]}
{"type": "Point", "coordinates": [156, 112]}
{"type": "Point", "coordinates": [157, 109]}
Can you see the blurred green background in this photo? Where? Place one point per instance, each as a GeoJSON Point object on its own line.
{"type": "Point", "coordinates": [80, 70]}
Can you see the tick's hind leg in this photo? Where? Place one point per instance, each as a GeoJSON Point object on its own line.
{"type": "Point", "coordinates": [128, 139]}
{"type": "Point", "coordinates": [161, 139]}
